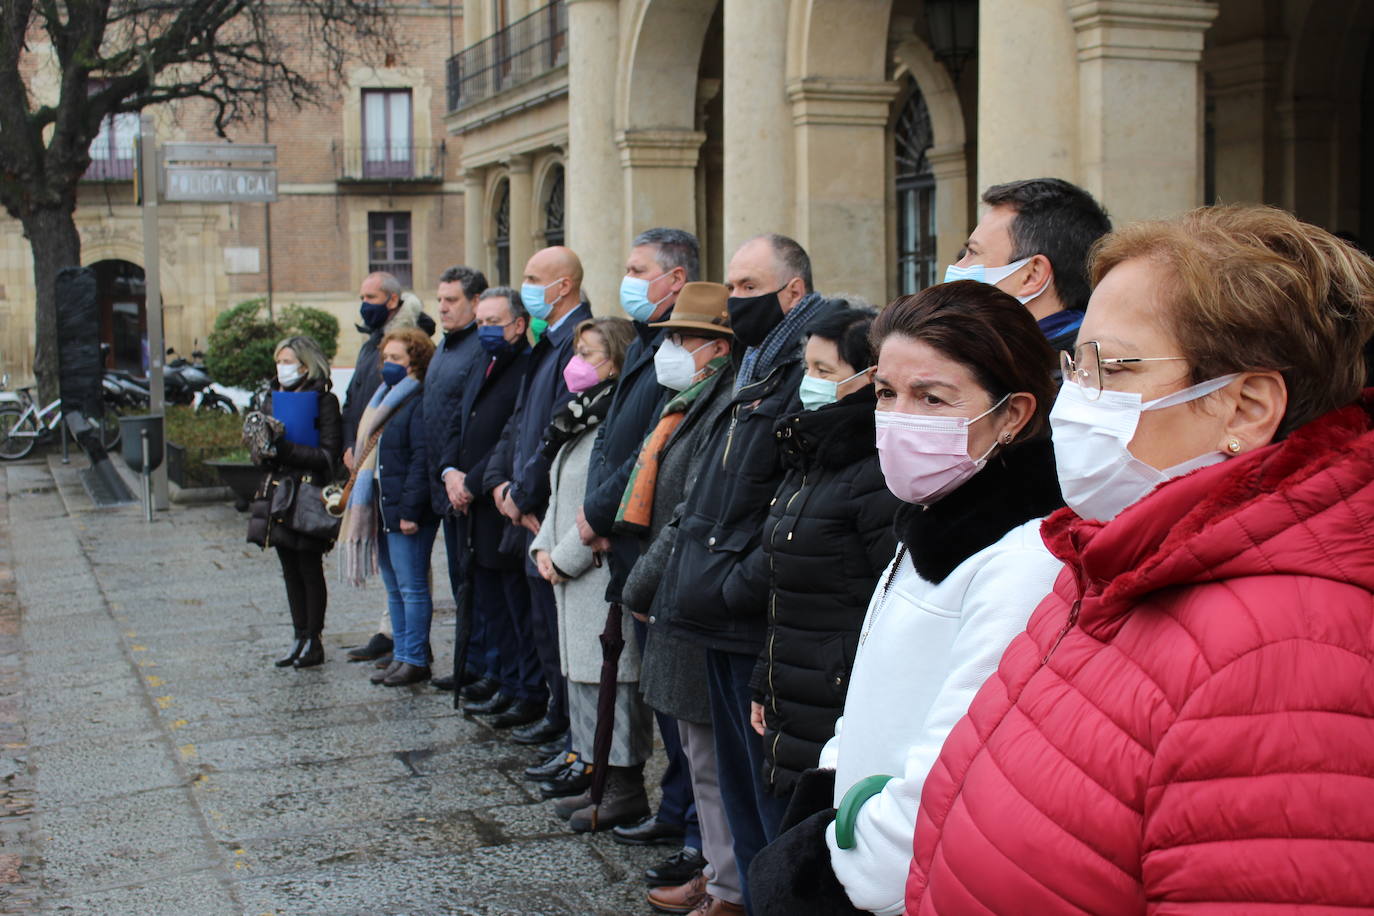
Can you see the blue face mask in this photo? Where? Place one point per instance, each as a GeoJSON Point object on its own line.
{"type": "Point", "coordinates": [492, 338]}
{"type": "Point", "coordinates": [373, 314]}
{"type": "Point", "coordinates": [818, 392]}
{"type": "Point", "coordinates": [532, 295]}
{"type": "Point", "coordinates": [634, 297]}
{"type": "Point", "coordinates": [393, 374]}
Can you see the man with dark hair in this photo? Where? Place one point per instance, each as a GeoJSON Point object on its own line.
{"type": "Point", "coordinates": [718, 557]}
{"type": "Point", "coordinates": [453, 361]}
{"type": "Point", "coordinates": [1033, 243]}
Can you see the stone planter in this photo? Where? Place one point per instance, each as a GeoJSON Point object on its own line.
{"type": "Point", "coordinates": [240, 477]}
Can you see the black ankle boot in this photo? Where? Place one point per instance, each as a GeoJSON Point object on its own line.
{"type": "Point", "coordinates": [287, 660]}
{"type": "Point", "coordinates": [312, 655]}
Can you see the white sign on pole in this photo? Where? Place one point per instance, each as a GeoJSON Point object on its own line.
{"type": "Point", "coordinates": [221, 185]}
{"type": "Point", "coordinates": [219, 152]}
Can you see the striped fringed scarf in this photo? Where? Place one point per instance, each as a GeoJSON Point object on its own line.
{"type": "Point", "coordinates": [358, 533]}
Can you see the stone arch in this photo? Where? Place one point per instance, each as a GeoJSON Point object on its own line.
{"type": "Point", "coordinates": [657, 89]}
{"type": "Point", "coordinates": [548, 169]}
{"type": "Point", "coordinates": [838, 39]}
{"type": "Point", "coordinates": [497, 271]}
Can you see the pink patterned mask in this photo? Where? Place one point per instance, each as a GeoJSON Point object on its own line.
{"type": "Point", "coordinates": [580, 374]}
{"type": "Point", "coordinates": [926, 458]}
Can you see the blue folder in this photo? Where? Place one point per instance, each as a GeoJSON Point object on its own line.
{"type": "Point", "coordinates": [298, 410]}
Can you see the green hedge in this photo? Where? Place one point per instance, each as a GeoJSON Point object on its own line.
{"type": "Point", "coordinates": [240, 346]}
{"type": "Point", "coordinates": [209, 435]}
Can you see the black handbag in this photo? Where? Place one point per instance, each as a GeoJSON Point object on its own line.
{"type": "Point", "coordinates": [300, 506]}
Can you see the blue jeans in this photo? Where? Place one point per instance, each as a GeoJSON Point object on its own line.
{"type": "Point", "coordinates": [404, 559]}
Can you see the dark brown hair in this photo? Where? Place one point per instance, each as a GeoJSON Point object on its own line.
{"type": "Point", "coordinates": [418, 346]}
{"type": "Point", "coordinates": [981, 327]}
{"type": "Point", "coordinates": [1251, 288]}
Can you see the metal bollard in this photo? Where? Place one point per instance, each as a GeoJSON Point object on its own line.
{"type": "Point", "coordinates": [147, 479]}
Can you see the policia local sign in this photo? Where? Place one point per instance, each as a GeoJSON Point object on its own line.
{"type": "Point", "coordinates": [224, 182]}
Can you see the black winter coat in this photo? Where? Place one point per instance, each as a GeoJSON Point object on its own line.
{"type": "Point", "coordinates": [367, 372]}
{"type": "Point", "coordinates": [321, 463]}
{"type": "Point", "coordinates": [402, 484]}
{"type": "Point", "coordinates": [719, 550]}
{"type": "Point", "coordinates": [828, 538]}
{"type": "Point", "coordinates": [488, 403]}
{"type": "Point", "coordinates": [635, 409]}
{"type": "Point", "coordinates": [445, 381]}
{"type": "Point", "coordinates": [519, 458]}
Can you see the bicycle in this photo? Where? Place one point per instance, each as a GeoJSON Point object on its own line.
{"type": "Point", "coordinates": [23, 424]}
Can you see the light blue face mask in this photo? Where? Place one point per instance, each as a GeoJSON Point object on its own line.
{"type": "Point", "coordinates": [532, 295]}
{"type": "Point", "coordinates": [991, 275]}
{"type": "Point", "coordinates": [634, 297]}
{"type": "Point", "coordinates": [818, 392]}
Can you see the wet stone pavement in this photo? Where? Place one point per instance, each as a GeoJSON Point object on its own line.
{"type": "Point", "coordinates": [153, 761]}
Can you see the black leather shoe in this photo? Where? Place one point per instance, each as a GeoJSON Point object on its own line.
{"type": "Point", "coordinates": [481, 689]}
{"type": "Point", "coordinates": [376, 647]}
{"type": "Point", "coordinates": [383, 662]}
{"type": "Point", "coordinates": [406, 673]}
{"type": "Point", "coordinates": [573, 779]}
{"type": "Point", "coordinates": [311, 655]}
{"type": "Point", "coordinates": [557, 746]}
{"type": "Point", "coordinates": [295, 653]}
{"type": "Point", "coordinates": [442, 683]}
{"type": "Point", "coordinates": [649, 832]}
{"type": "Point", "coordinates": [470, 676]}
{"type": "Point", "coordinates": [551, 767]}
{"type": "Point", "coordinates": [521, 712]}
{"type": "Point", "coordinates": [385, 673]}
{"type": "Point", "coordinates": [540, 732]}
{"type": "Point", "coordinates": [676, 869]}
{"type": "Point", "coordinates": [496, 703]}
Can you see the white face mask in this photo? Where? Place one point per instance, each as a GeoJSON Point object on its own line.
{"type": "Point", "coordinates": [674, 365]}
{"type": "Point", "coordinates": [992, 276]}
{"type": "Point", "coordinates": [1098, 475]}
{"type": "Point", "coordinates": [289, 374]}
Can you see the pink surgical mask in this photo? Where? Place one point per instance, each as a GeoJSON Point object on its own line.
{"type": "Point", "coordinates": [926, 458]}
{"type": "Point", "coordinates": [580, 374]}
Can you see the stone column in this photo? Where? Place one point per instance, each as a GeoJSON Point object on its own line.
{"type": "Point", "coordinates": [1140, 103]}
{"type": "Point", "coordinates": [757, 177]}
{"type": "Point", "coordinates": [474, 223]}
{"type": "Point", "coordinates": [522, 243]}
{"type": "Point", "coordinates": [841, 186]}
{"type": "Point", "coordinates": [949, 165]}
{"type": "Point", "coordinates": [1027, 92]}
{"type": "Point", "coordinates": [593, 203]}
{"type": "Point", "coordinates": [659, 170]}
{"type": "Point", "coordinates": [1245, 79]}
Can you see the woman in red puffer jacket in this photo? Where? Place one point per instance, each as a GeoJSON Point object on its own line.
{"type": "Point", "coordinates": [1187, 726]}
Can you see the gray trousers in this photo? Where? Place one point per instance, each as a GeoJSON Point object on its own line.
{"type": "Point", "coordinates": [717, 844]}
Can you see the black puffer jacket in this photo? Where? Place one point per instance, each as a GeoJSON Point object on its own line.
{"type": "Point", "coordinates": [828, 537]}
{"type": "Point", "coordinates": [321, 464]}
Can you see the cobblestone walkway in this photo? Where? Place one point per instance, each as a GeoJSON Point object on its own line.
{"type": "Point", "coordinates": [153, 761]}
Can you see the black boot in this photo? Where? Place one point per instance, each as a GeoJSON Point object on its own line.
{"type": "Point", "coordinates": [286, 660]}
{"type": "Point", "coordinates": [312, 655]}
{"type": "Point", "coordinates": [623, 802]}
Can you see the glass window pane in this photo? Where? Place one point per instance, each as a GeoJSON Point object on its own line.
{"type": "Point", "coordinates": [374, 126]}
{"type": "Point", "coordinates": [399, 103]}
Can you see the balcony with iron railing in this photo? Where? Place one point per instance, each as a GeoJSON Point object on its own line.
{"type": "Point", "coordinates": [389, 162]}
{"type": "Point", "coordinates": [119, 168]}
{"type": "Point", "coordinates": [518, 54]}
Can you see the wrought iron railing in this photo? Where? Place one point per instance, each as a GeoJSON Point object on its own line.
{"type": "Point", "coordinates": [117, 169]}
{"type": "Point", "coordinates": [389, 162]}
{"type": "Point", "coordinates": [522, 51]}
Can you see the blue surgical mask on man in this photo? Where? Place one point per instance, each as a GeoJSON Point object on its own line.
{"type": "Point", "coordinates": [532, 295]}
{"type": "Point", "coordinates": [374, 314]}
{"type": "Point", "coordinates": [634, 297]}
{"type": "Point", "coordinates": [492, 338]}
{"type": "Point", "coordinates": [992, 276]}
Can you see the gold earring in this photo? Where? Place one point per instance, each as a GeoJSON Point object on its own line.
{"type": "Point", "coordinates": [1233, 445]}
{"type": "Point", "coordinates": [1006, 438]}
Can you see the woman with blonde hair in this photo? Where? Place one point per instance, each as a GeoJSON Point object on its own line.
{"type": "Point", "coordinates": [1187, 725]}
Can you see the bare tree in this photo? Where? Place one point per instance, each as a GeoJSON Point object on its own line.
{"type": "Point", "coordinates": [115, 56]}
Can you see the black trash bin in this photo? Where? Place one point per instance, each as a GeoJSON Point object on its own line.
{"type": "Point", "coordinates": [131, 441]}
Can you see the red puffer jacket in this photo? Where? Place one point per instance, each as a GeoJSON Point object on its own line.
{"type": "Point", "coordinates": [1187, 726]}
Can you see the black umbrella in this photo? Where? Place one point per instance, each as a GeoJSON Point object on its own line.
{"type": "Point", "coordinates": [612, 643]}
{"type": "Point", "coordinates": [462, 619]}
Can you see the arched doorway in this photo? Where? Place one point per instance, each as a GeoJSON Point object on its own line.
{"type": "Point", "coordinates": [500, 235]}
{"type": "Point", "coordinates": [120, 289]}
{"type": "Point", "coordinates": [553, 207]}
{"type": "Point", "coordinates": [916, 225]}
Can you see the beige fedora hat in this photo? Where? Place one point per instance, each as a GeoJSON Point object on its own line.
{"type": "Point", "coordinates": [700, 307]}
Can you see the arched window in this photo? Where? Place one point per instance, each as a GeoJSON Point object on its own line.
{"type": "Point", "coordinates": [501, 235]}
{"type": "Point", "coordinates": [553, 207]}
{"type": "Point", "coordinates": [912, 139]}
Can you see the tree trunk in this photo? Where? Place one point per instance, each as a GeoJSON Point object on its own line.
{"type": "Point", "coordinates": [52, 235]}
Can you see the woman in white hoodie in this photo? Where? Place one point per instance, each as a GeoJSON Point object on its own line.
{"type": "Point", "coordinates": [965, 381]}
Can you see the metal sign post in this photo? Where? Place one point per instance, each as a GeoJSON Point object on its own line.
{"type": "Point", "coordinates": [152, 273]}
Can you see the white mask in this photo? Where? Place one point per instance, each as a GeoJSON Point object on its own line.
{"type": "Point", "coordinates": [1098, 475]}
{"type": "Point", "coordinates": [674, 365]}
{"type": "Point", "coordinates": [289, 374]}
{"type": "Point", "coordinates": [992, 276]}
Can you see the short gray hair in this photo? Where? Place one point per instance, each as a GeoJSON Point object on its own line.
{"type": "Point", "coordinates": [389, 284]}
{"type": "Point", "coordinates": [310, 354]}
{"type": "Point", "coordinates": [674, 248]}
{"type": "Point", "coordinates": [517, 308]}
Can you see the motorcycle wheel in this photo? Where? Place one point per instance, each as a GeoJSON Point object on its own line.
{"type": "Point", "coordinates": [12, 448]}
{"type": "Point", "coordinates": [109, 429]}
{"type": "Point", "coordinates": [211, 400]}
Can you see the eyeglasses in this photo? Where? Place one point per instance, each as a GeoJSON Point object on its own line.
{"type": "Point", "coordinates": [1085, 366]}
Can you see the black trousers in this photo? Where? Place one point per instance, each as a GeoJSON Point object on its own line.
{"type": "Point", "coordinates": [303, 571]}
